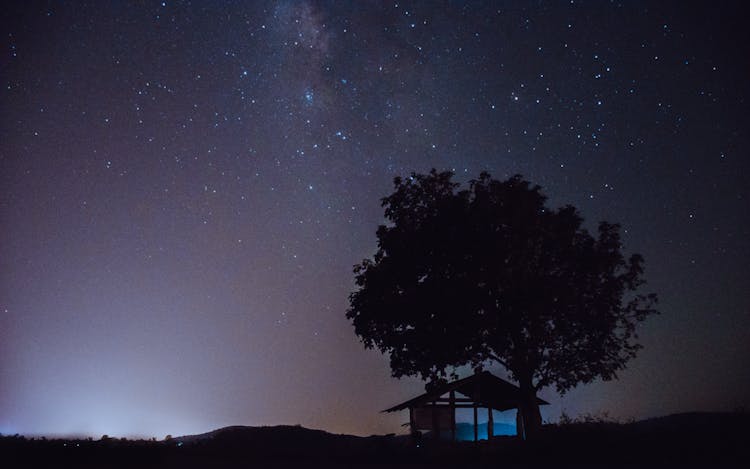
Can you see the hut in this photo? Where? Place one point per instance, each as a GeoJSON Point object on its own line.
{"type": "Point", "coordinates": [435, 410]}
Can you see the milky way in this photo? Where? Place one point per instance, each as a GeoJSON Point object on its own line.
{"type": "Point", "coordinates": [185, 187]}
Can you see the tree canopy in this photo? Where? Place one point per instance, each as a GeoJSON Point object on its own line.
{"type": "Point", "coordinates": [490, 273]}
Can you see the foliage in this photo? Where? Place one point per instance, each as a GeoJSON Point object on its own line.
{"type": "Point", "coordinates": [463, 276]}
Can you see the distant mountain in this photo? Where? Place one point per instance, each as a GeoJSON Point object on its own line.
{"type": "Point", "coordinates": [280, 433]}
{"type": "Point", "coordinates": [695, 421]}
{"type": "Point", "coordinates": [289, 441]}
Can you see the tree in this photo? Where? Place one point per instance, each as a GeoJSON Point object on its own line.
{"type": "Point", "coordinates": [490, 274]}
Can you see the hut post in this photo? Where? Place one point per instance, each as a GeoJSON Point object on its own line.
{"type": "Point", "coordinates": [435, 425]}
{"type": "Point", "coordinates": [490, 424]}
{"type": "Point", "coordinates": [476, 425]}
{"type": "Point", "coordinates": [412, 427]}
{"type": "Point", "coordinates": [476, 398]}
{"type": "Point", "coordinates": [453, 415]}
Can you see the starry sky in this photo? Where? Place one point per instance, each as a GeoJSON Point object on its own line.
{"type": "Point", "coordinates": [185, 187]}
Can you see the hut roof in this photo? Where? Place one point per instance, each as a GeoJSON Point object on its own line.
{"type": "Point", "coordinates": [485, 388]}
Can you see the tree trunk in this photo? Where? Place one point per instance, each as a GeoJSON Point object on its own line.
{"type": "Point", "coordinates": [529, 409]}
{"type": "Point", "coordinates": [519, 424]}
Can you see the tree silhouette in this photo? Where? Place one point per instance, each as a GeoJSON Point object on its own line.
{"type": "Point", "coordinates": [489, 273]}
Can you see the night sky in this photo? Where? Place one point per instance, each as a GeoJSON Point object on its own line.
{"type": "Point", "coordinates": [185, 187]}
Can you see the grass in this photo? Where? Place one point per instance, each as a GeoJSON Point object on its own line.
{"type": "Point", "coordinates": [704, 440]}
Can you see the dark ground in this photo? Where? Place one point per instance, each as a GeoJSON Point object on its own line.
{"type": "Point", "coordinates": [704, 440]}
